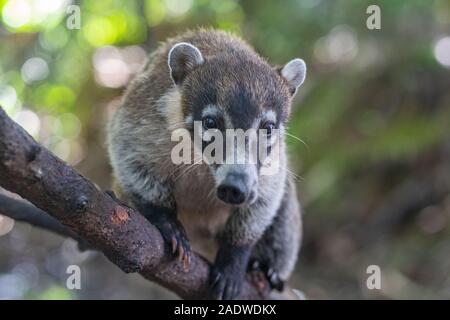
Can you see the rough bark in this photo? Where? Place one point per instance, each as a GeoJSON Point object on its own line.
{"type": "Point", "coordinates": [87, 214]}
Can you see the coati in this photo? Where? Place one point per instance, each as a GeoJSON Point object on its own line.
{"type": "Point", "coordinates": [230, 213]}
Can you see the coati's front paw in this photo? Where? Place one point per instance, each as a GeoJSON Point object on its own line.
{"type": "Point", "coordinates": [225, 284]}
{"type": "Point", "coordinates": [175, 236]}
{"type": "Point", "coordinates": [172, 231]}
{"type": "Point", "coordinates": [228, 272]}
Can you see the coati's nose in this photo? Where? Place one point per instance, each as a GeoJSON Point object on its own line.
{"type": "Point", "coordinates": [233, 189]}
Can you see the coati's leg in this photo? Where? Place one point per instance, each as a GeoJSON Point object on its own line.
{"type": "Point", "coordinates": [276, 253]}
{"type": "Point", "coordinates": [242, 230]}
{"type": "Point", "coordinates": [159, 208]}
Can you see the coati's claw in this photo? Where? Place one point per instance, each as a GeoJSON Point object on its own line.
{"type": "Point", "coordinates": [174, 245]}
{"type": "Point", "coordinates": [274, 279]}
{"type": "Point", "coordinates": [224, 286]}
{"type": "Point", "coordinates": [215, 277]}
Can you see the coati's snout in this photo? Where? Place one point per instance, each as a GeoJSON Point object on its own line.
{"type": "Point", "coordinates": [234, 189]}
{"type": "Point", "coordinates": [236, 184]}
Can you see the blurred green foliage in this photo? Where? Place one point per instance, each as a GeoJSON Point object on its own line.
{"type": "Point", "coordinates": [373, 114]}
{"type": "Point", "coordinates": [55, 293]}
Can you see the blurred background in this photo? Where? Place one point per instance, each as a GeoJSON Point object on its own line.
{"type": "Point", "coordinates": [374, 115]}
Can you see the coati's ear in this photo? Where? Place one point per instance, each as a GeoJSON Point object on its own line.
{"type": "Point", "coordinates": [183, 57]}
{"type": "Point", "coordinates": [294, 72]}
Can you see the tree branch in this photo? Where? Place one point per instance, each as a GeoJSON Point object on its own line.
{"type": "Point", "coordinates": [82, 211]}
{"type": "Point", "coordinates": [23, 211]}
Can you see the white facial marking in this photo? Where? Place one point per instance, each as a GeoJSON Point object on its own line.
{"type": "Point", "coordinates": [210, 110]}
{"type": "Point", "coordinates": [170, 107]}
{"type": "Point", "coordinates": [189, 120]}
{"type": "Point", "coordinates": [270, 115]}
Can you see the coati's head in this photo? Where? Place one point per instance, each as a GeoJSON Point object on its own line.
{"type": "Point", "coordinates": [234, 90]}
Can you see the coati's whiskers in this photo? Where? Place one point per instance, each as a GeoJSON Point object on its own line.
{"type": "Point", "coordinates": [180, 169]}
{"type": "Point", "coordinates": [298, 139]}
{"type": "Point", "coordinates": [294, 175]}
{"type": "Point", "coordinates": [211, 194]}
{"type": "Point", "coordinates": [188, 169]}
{"type": "Point", "coordinates": [186, 172]}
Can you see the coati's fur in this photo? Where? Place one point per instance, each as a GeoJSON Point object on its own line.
{"type": "Point", "coordinates": [182, 78]}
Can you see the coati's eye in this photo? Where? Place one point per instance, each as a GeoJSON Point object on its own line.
{"type": "Point", "coordinates": [209, 123]}
{"type": "Point", "coordinates": [268, 126]}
